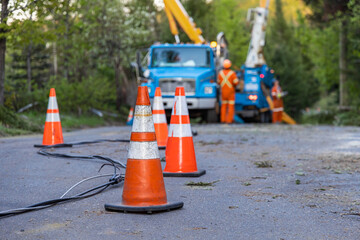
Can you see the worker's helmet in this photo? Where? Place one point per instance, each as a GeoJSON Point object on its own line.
{"type": "Point", "coordinates": [227, 63]}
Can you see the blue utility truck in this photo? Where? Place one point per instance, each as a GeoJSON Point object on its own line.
{"type": "Point", "coordinates": [192, 66]}
{"type": "Point", "coordinates": [252, 103]}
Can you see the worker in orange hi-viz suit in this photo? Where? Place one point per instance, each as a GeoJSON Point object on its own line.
{"type": "Point", "coordinates": [227, 80]}
{"type": "Point", "coordinates": [278, 109]}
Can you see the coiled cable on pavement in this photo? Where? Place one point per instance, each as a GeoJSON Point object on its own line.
{"type": "Point", "coordinates": [61, 145]}
{"type": "Point", "coordinates": [116, 178]}
{"type": "Point", "coordinates": [43, 150]}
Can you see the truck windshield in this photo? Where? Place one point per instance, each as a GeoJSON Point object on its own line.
{"type": "Point", "coordinates": [180, 57]}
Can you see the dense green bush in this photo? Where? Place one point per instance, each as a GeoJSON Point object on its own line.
{"type": "Point", "coordinates": [79, 97]}
{"type": "Point", "coordinates": [318, 117]}
{"type": "Point", "coordinates": [10, 119]}
{"type": "Point", "coordinates": [332, 117]}
{"type": "Point", "coordinates": [351, 118]}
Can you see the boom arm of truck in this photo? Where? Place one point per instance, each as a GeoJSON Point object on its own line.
{"type": "Point", "coordinates": [174, 9]}
{"type": "Point", "coordinates": [255, 56]}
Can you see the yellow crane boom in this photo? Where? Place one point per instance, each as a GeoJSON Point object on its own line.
{"type": "Point", "coordinates": [175, 10]}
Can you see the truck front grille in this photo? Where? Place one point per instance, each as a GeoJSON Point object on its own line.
{"type": "Point", "coordinates": [168, 86]}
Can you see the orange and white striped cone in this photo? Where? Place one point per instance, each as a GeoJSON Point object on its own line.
{"type": "Point", "coordinates": [52, 131]}
{"type": "Point", "coordinates": [130, 117]}
{"type": "Point", "coordinates": [161, 128]}
{"type": "Point", "coordinates": [144, 188]}
{"type": "Point", "coordinates": [180, 152]}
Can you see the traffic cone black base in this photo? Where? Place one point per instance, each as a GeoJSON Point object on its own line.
{"type": "Point", "coordinates": [180, 152]}
{"type": "Point", "coordinates": [187, 174]}
{"type": "Point", "coordinates": [144, 209]}
{"type": "Point", "coordinates": [144, 187]}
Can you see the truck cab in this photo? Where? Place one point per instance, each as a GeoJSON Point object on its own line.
{"type": "Point", "coordinates": [191, 66]}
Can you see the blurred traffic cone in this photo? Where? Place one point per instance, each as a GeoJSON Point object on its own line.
{"type": "Point", "coordinates": [161, 128]}
{"type": "Point", "coordinates": [144, 188]}
{"type": "Point", "coordinates": [52, 131]}
{"type": "Point", "coordinates": [180, 152]}
{"type": "Point", "coordinates": [130, 117]}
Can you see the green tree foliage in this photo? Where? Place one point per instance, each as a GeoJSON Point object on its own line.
{"type": "Point", "coordinates": [284, 53]}
{"type": "Point", "coordinates": [339, 23]}
{"type": "Point", "coordinates": [84, 48]}
{"type": "Point", "coordinates": [202, 12]}
{"type": "Point", "coordinates": [230, 18]}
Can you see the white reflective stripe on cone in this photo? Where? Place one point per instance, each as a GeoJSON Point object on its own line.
{"type": "Point", "coordinates": [52, 103]}
{"type": "Point", "coordinates": [158, 103]}
{"type": "Point", "coordinates": [278, 109]}
{"type": "Point", "coordinates": [52, 117]}
{"type": "Point", "coordinates": [180, 130]}
{"type": "Point", "coordinates": [159, 118]}
{"type": "Point", "coordinates": [131, 115]}
{"type": "Point", "coordinates": [180, 106]}
{"type": "Point", "coordinates": [143, 119]}
{"type": "Point", "coordinates": [143, 150]}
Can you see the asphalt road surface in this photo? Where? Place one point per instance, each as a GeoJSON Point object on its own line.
{"type": "Point", "coordinates": [266, 182]}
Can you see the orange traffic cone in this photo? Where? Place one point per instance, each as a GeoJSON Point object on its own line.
{"type": "Point", "coordinates": [130, 117]}
{"type": "Point", "coordinates": [144, 188]}
{"type": "Point", "coordinates": [161, 128]}
{"type": "Point", "coordinates": [180, 152]}
{"type": "Point", "coordinates": [52, 131]}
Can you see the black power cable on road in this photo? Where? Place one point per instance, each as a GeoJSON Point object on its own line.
{"type": "Point", "coordinates": [88, 193]}
{"type": "Point", "coordinates": [43, 151]}
{"type": "Point", "coordinates": [61, 145]}
{"type": "Point", "coordinates": [116, 178]}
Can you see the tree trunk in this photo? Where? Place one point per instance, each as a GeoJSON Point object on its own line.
{"type": "Point", "coordinates": [28, 63]}
{"type": "Point", "coordinates": [2, 68]}
{"type": "Point", "coordinates": [125, 86]}
{"type": "Point", "coordinates": [3, 21]}
{"type": "Point", "coordinates": [55, 64]}
{"type": "Point", "coordinates": [118, 84]}
{"type": "Point", "coordinates": [67, 47]}
{"type": "Point", "coordinates": [343, 64]}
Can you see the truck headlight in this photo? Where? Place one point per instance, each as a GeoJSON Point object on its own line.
{"type": "Point", "coordinates": [208, 90]}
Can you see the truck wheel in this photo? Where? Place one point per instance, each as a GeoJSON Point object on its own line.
{"type": "Point", "coordinates": [269, 116]}
{"type": "Point", "coordinates": [263, 117]}
{"type": "Point", "coordinates": [211, 116]}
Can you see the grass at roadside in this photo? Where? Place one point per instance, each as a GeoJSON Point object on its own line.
{"type": "Point", "coordinates": [5, 131]}
{"type": "Point", "coordinates": [12, 124]}
{"type": "Point", "coordinates": [70, 121]}
{"type": "Point", "coordinates": [336, 118]}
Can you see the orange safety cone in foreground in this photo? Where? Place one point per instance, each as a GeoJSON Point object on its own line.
{"type": "Point", "coordinates": [130, 117]}
{"type": "Point", "coordinates": [52, 131]}
{"type": "Point", "coordinates": [161, 128]}
{"type": "Point", "coordinates": [144, 188]}
{"type": "Point", "coordinates": [180, 152]}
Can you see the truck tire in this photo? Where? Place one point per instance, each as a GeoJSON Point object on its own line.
{"type": "Point", "coordinates": [262, 117]}
{"type": "Point", "coordinates": [211, 116]}
{"type": "Point", "coordinates": [270, 116]}
{"type": "Point", "coordinates": [265, 117]}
